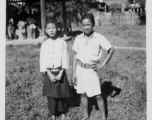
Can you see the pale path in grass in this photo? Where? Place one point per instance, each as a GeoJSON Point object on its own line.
{"type": "Point", "coordinates": [36, 41]}
{"type": "Point", "coordinates": [130, 48]}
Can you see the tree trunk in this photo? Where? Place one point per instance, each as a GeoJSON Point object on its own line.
{"type": "Point", "coordinates": [43, 18]}
{"type": "Point", "coordinates": [66, 31]}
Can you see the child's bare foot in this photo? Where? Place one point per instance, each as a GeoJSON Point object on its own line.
{"type": "Point", "coordinates": [63, 117]}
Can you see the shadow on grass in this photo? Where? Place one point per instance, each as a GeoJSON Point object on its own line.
{"type": "Point", "coordinates": [75, 100]}
{"type": "Point", "coordinates": [107, 89]}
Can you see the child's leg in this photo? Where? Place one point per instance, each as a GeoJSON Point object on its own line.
{"type": "Point", "coordinates": [62, 107]}
{"type": "Point", "coordinates": [101, 106]}
{"type": "Point", "coordinates": [52, 106]}
{"type": "Point", "coordinates": [84, 101]}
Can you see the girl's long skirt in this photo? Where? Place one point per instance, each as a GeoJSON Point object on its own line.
{"type": "Point", "coordinates": [58, 89]}
{"type": "Point", "coordinates": [56, 92]}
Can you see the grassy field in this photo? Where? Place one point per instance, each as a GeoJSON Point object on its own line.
{"type": "Point", "coordinates": [123, 83]}
{"type": "Point", "coordinates": [130, 36]}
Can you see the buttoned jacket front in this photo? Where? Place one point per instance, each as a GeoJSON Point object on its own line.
{"type": "Point", "coordinates": [53, 54]}
{"type": "Point", "coordinates": [89, 49]}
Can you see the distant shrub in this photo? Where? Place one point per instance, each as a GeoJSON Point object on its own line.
{"type": "Point", "coordinates": [115, 8]}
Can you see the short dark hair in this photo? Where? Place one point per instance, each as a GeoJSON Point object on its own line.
{"type": "Point", "coordinates": [88, 16]}
{"type": "Point", "coordinates": [51, 20]}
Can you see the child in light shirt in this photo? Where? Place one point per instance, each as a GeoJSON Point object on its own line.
{"type": "Point", "coordinates": [88, 48]}
{"type": "Point", "coordinates": [54, 60]}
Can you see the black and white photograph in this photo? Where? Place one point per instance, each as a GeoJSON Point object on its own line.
{"type": "Point", "coordinates": [75, 60]}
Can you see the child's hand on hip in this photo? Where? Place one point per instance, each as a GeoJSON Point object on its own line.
{"type": "Point", "coordinates": [97, 66]}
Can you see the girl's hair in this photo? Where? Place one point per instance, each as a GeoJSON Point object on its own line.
{"type": "Point", "coordinates": [51, 20]}
{"type": "Point", "coordinates": [88, 16]}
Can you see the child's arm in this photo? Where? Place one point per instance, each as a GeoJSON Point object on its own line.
{"type": "Point", "coordinates": [64, 61]}
{"type": "Point", "coordinates": [42, 60]}
{"type": "Point", "coordinates": [74, 77]}
{"type": "Point", "coordinates": [98, 66]}
{"type": "Point", "coordinates": [65, 57]}
{"type": "Point", "coordinates": [108, 57]}
{"type": "Point", "coordinates": [76, 50]}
